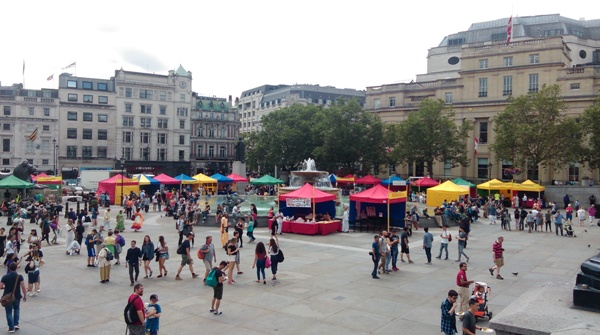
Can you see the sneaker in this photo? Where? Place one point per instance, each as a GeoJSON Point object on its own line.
{"type": "Point", "coordinates": [17, 327]}
{"type": "Point", "coordinates": [410, 261]}
{"type": "Point", "coordinates": [195, 275]}
{"type": "Point", "coordinates": [11, 331]}
{"type": "Point", "coordinates": [491, 271]}
{"type": "Point", "coordinates": [211, 310]}
{"type": "Point", "coordinates": [439, 257]}
{"type": "Point", "coordinates": [218, 312]}
{"type": "Point", "coordinates": [375, 277]}
{"type": "Point", "coordinates": [499, 277]}
{"type": "Point", "coordinates": [178, 278]}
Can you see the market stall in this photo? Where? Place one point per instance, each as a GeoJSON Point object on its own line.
{"type": "Point", "coordinates": [304, 204]}
{"type": "Point", "coordinates": [448, 191]}
{"type": "Point", "coordinates": [377, 208]}
{"type": "Point", "coordinates": [118, 185]}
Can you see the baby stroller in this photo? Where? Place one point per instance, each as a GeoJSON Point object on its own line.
{"type": "Point", "coordinates": [569, 230]}
{"type": "Point", "coordinates": [481, 292]}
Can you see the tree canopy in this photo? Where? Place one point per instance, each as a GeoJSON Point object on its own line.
{"type": "Point", "coordinates": [590, 123]}
{"type": "Point", "coordinates": [534, 130]}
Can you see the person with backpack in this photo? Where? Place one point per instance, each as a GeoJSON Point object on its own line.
{"type": "Point", "coordinates": [119, 244]}
{"type": "Point", "coordinates": [186, 258]}
{"type": "Point", "coordinates": [215, 279]}
{"type": "Point", "coordinates": [274, 254]}
{"type": "Point", "coordinates": [105, 258]}
{"type": "Point", "coordinates": [134, 313]}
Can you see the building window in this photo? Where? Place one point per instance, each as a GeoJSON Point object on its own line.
{"type": "Point", "coordinates": [128, 108]}
{"type": "Point", "coordinates": [6, 126]}
{"type": "Point", "coordinates": [144, 137]}
{"type": "Point", "coordinates": [200, 131]}
{"type": "Point", "coordinates": [146, 94]}
{"type": "Point", "coordinates": [145, 122]}
{"type": "Point", "coordinates": [448, 97]}
{"type": "Point", "coordinates": [507, 85]}
{"type": "Point", "coordinates": [575, 86]}
{"type": "Point", "coordinates": [574, 172]}
{"type": "Point", "coordinates": [182, 139]}
{"type": "Point", "coordinates": [45, 162]}
{"type": "Point", "coordinates": [6, 110]}
{"type": "Point", "coordinates": [72, 97]}
{"type": "Point", "coordinates": [71, 151]}
{"type": "Point", "coordinates": [86, 151]}
{"type": "Point", "coordinates": [376, 103]}
{"type": "Point", "coordinates": [102, 99]}
{"type": "Point", "coordinates": [456, 41]}
{"type": "Point", "coordinates": [102, 134]}
{"type": "Point", "coordinates": [162, 138]}
{"type": "Point", "coordinates": [162, 95]}
{"type": "Point", "coordinates": [86, 85]}
{"type": "Point", "coordinates": [6, 144]}
{"type": "Point", "coordinates": [162, 154]}
{"type": "Point", "coordinates": [31, 111]}
{"type": "Point", "coordinates": [72, 116]}
{"type": "Point", "coordinates": [483, 132]}
{"type": "Point", "coordinates": [392, 101]}
{"type": "Point", "coordinates": [181, 124]}
{"type": "Point", "coordinates": [145, 154]}
{"type": "Point", "coordinates": [577, 33]}
{"type": "Point", "coordinates": [533, 83]}
{"type": "Point", "coordinates": [101, 152]}
{"type": "Point", "coordinates": [127, 153]}
{"type": "Point", "coordinates": [222, 152]}
{"type": "Point", "coordinates": [200, 151]}
{"type": "Point", "coordinates": [534, 58]}
{"type": "Point", "coordinates": [163, 110]}
{"type": "Point", "coordinates": [447, 168]}
{"type": "Point", "coordinates": [482, 168]}
{"type": "Point", "coordinates": [102, 87]}
{"type": "Point", "coordinates": [483, 87]}
{"type": "Point", "coordinates": [102, 117]}
{"type": "Point", "coordinates": [508, 61]}
{"type": "Point", "coordinates": [163, 123]}
{"type": "Point", "coordinates": [127, 121]}
{"type": "Point", "coordinates": [182, 97]}
{"type": "Point", "coordinates": [87, 134]}
{"type": "Point", "coordinates": [29, 148]}
{"type": "Point", "coordinates": [146, 109]}
{"type": "Point", "coordinates": [127, 136]}
{"type": "Point", "coordinates": [483, 63]}
{"type": "Point", "coordinates": [5, 161]}
{"type": "Point", "coordinates": [71, 83]}
{"type": "Point", "coordinates": [211, 151]}
{"type": "Point", "coordinates": [182, 111]}
{"type": "Point", "coordinates": [499, 37]}
{"type": "Point", "coordinates": [88, 117]}
{"type": "Point", "coordinates": [128, 92]}
{"type": "Point", "coordinates": [211, 131]}
{"type": "Point", "coordinates": [181, 155]}
{"type": "Point", "coordinates": [46, 112]}
{"type": "Point", "coordinates": [44, 128]}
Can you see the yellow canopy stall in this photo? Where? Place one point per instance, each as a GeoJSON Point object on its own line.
{"type": "Point", "coordinates": [207, 183]}
{"type": "Point", "coordinates": [448, 191]}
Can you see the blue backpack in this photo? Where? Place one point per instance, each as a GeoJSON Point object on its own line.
{"type": "Point", "coordinates": [212, 280]}
{"type": "Point", "coordinates": [121, 240]}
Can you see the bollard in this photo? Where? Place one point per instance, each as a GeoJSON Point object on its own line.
{"type": "Point", "coordinates": [78, 207]}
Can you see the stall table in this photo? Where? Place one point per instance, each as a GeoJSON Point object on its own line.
{"type": "Point", "coordinates": [309, 228]}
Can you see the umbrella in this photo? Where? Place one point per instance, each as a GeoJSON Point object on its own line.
{"type": "Point", "coordinates": [266, 180]}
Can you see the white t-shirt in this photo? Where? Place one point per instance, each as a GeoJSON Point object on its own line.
{"type": "Point", "coordinates": [444, 236]}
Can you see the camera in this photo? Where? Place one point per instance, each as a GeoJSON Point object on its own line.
{"type": "Point", "coordinates": [370, 253]}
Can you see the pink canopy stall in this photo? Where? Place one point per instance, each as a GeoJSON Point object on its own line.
{"type": "Point", "coordinates": [166, 180]}
{"type": "Point", "coordinates": [115, 184]}
{"type": "Point", "coordinates": [370, 180]}
{"type": "Point", "coordinates": [305, 201]}
{"type": "Point", "coordinates": [424, 183]}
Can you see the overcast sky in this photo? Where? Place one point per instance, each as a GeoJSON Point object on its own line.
{"type": "Point", "coordinates": [231, 46]}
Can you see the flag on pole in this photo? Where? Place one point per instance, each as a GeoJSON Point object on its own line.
{"type": "Point", "coordinates": [476, 144]}
{"type": "Point", "coordinates": [50, 78]}
{"type": "Point", "coordinates": [33, 135]}
{"type": "Point", "coordinates": [71, 65]}
{"type": "Point", "coordinates": [509, 27]}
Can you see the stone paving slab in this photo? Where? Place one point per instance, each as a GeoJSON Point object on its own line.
{"type": "Point", "coordinates": [324, 285]}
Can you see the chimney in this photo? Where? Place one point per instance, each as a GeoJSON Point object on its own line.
{"type": "Point", "coordinates": [230, 99]}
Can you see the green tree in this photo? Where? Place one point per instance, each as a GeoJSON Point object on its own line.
{"type": "Point", "coordinates": [590, 123]}
{"type": "Point", "coordinates": [534, 130]}
{"type": "Point", "coordinates": [431, 134]}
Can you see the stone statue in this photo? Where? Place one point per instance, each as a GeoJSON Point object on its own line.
{"type": "Point", "coordinates": [24, 171]}
{"type": "Point", "coordinates": [239, 151]}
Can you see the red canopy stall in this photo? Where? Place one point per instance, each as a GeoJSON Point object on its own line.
{"type": "Point", "coordinates": [369, 180]}
{"type": "Point", "coordinates": [308, 201]}
{"type": "Point", "coordinates": [115, 185]}
{"type": "Point", "coordinates": [376, 205]}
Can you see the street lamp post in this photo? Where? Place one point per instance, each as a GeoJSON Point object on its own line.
{"type": "Point", "coordinates": [122, 161]}
{"type": "Point", "coordinates": [54, 158]}
{"type": "Point", "coordinates": [490, 170]}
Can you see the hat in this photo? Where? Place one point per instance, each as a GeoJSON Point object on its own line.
{"type": "Point", "coordinates": [154, 297]}
{"type": "Point", "coordinates": [191, 233]}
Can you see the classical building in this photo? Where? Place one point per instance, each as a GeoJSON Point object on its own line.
{"type": "Point", "coordinates": [87, 123]}
{"type": "Point", "coordinates": [476, 71]}
{"type": "Point", "coordinates": [215, 132]}
{"type": "Point", "coordinates": [29, 127]}
{"type": "Point", "coordinates": [260, 101]}
{"type": "Point", "coordinates": [153, 121]}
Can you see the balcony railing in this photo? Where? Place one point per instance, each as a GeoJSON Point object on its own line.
{"type": "Point", "coordinates": [213, 158]}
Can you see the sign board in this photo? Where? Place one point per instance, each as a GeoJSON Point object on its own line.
{"type": "Point", "coordinates": [297, 202]}
{"type": "Point", "coordinates": [399, 183]}
{"type": "Point", "coordinates": [397, 195]}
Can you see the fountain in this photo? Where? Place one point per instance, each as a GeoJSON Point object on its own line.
{"type": "Point", "coordinates": [310, 174]}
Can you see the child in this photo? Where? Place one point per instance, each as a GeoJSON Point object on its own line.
{"type": "Point", "coordinates": [250, 229]}
{"type": "Point", "coordinates": [153, 311]}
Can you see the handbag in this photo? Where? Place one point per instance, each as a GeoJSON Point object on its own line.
{"type": "Point", "coordinates": [267, 262]}
{"type": "Point", "coordinates": [9, 298]}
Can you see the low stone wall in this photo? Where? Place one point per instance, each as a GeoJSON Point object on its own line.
{"type": "Point", "coordinates": [581, 193]}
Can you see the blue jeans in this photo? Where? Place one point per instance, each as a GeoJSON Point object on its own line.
{"type": "Point", "coordinates": [376, 260]}
{"type": "Point", "coordinates": [461, 252]}
{"type": "Point", "coordinates": [394, 258]}
{"type": "Point", "coordinates": [388, 258]}
{"type": "Point", "coordinates": [274, 264]}
{"type": "Point", "coordinates": [428, 253]}
{"type": "Point", "coordinates": [260, 268]}
{"type": "Point", "coordinates": [13, 313]}
{"type": "Point", "coordinates": [442, 247]}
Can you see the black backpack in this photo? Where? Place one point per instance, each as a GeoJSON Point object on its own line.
{"type": "Point", "coordinates": [181, 249]}
{"type": "Point", "coordinates": [280, 257]}
{"type": "Point", "coordinates": [130, 313]}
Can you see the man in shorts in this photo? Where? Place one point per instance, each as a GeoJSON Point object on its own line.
{"type": "Point", "coordinates": [404, 246]}
{"type": "Point", "coordinates": [208, 249]}
{"type": "Point", "coordinates": [218, 289]}
{"type": "Point", "coordinates": [186, 258]}
{"type": "Point", "coordinates": [498, 257]}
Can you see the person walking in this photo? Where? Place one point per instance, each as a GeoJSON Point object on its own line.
{"type": "Point", "coordinates": [558, 224]}
{"type": "Point", "coordinates": [469, 322]}
{"type": "Point", "coordinates": [232, 251]}
{"type": "Point", "coordinates": [70, 237]}
{"type": "Point", "coordinates": [147, 255]}
{"type": "Point", "coordinates": [404, 246]}
{"type": "Point", "coordinates": [163, 255]}
{"type": "Point", "coordinates": [462, 241]}
{"type": "Point", "coordinates": [120, 221]}
{"type": "Point", "coordinates": [250, 229]}
{"type": "Point", "coordinates": [224, 229]}
{"type": "Point", "coordinates": [448, 324]}
{"type": "Point", "coordinates": [11, 283]}
{"type": "Point", "coordinates": [208, 255]}
{"type": "Point", "coordinates": [463, 287]}
{"type": "Point", "coordinates": [186, 258]}
{"type": "Point", "coordinates": [592, 212]}
{"type": "Point", "coordinates": [119, 244]}
{"type": "Point", "coordinates": [274, 254]}
{"type": "Point", "coordinates": [104, 264]}
{"type": "Point", "coordinates": [394, 241]}
{"type": "Point", "coordinates": [106, 222]}
{"type": "Point", "coordinates": [153, 311]}
{"type": "Point", "coordinates": [137, 328]}
{"type": "Point", "coordinates": [132, 261]}
{"type": "Point", "coordinates": [239, 229]}
{"type": "Point", "coordinates": [427, 243]}
{"type": "Point", "coordinates": [445, 235]}
{"type": "Point", "coordinates": [498, 257]}
{"type": "Point", "coordinates": [218, 289]}
{"type": "Point", "coordinates": [346, 222]}
{"type": "Point", "coordinates": [260, 259]}
{"type": "Point", "coordinates": [375, 255]}
{"type": "Point", "coordinates": [383, 251]}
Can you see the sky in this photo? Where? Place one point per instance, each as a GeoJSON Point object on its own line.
{"type": "Point", "coordinates": [232, 46]}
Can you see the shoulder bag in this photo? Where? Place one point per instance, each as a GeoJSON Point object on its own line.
{"type": "Point", "coordinates": [9, 298]}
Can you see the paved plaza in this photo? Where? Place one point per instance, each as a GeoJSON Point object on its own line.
{"type": "Point", "coordinates": [324, 285]}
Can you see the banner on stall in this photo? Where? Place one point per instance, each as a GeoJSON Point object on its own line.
{"type": "Point", "coordinates": [297, 202]}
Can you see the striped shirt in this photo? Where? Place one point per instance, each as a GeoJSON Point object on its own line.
{"type": "Point", "coordinates": [497, 250]}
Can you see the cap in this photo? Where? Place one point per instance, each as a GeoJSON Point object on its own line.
{"type": "Point", "coordinates": [154, 297]}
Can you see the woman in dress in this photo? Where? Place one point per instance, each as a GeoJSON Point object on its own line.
{"type": "Point", "coordinates": [163, 255]}
{"type": "Point", "coordinates": [138, 221]}
{"type": "Point", "coordinates": [271, 213]}
{"type": "Point", "coordinates": [232, 251]}
{"type": "Point", "coordinates": [274, 254]}
{"type": "Point", "coordinates": [218, 214]}
{"type": "Point", "coordinates": [33, 271]}
{"type": "Point", "coordinates": [345, 220]}
{"type": "Point", "coordinates": [120, 221]}
{"type": "Point", "coordinates": [55, 227]}
{"type": "Point", "coordinates": [147, 255]}
{"type": "Point", "coordinates": [254, 213]}
{"type": "Point", "coordinates": [260, 258]}
{"type": "Point", "coordinates": [224, 230]}
{"type": "Point", "coordinates": [70, 235]}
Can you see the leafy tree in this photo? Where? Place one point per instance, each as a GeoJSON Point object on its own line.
{"type": "Point", "coordinates": [431, 134]}
{"type": "Point", "coordinates": [534, 130]}
{"type": "Point", "coordinates": [590, 123]}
